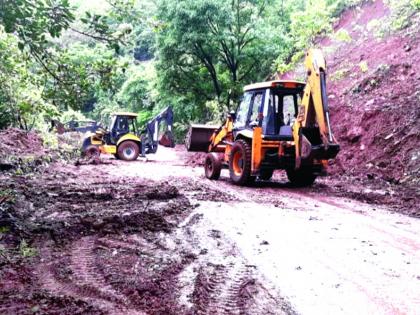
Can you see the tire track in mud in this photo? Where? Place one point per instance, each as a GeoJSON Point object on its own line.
{"type": "Point", "coordinates": [85, 281]}
{"type": "Point", "coordinates": [224, 282]}
{"type": "Point", "coordinates": [234, 290]}
{"type": "Point", "coordinates": [83, 266]}
{"type": "Point", "coordinates": [218, 289]}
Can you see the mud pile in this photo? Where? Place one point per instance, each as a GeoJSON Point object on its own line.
{"type": "Point", "coordinates": [75, 228]}
{"type": "Point", "coordinates": [34, 207]}
{"type": "Point", "coordinates": [18, 142]}
{"type": "Point", "coordinates": [376, 113]}
{"type": "Point", "coordinates": [24, 152]}
{"type": "Point", "coordinates": [21, 151]}
{"type": "Point", "coordinates": [195, 159]}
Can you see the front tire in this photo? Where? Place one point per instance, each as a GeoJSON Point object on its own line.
{"type": "Point", "coordinates": [240, 163]}
{"type": "Point", "coordinates": [212, 166]}
{"type": "Point", "coordinates": [91, 151]}
{"type": "Point", "coordinates": [128, 150]}
{"type": "Point", "coordinates": [301, 177]}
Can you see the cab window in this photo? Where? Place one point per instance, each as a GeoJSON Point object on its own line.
{"type": "Point", "coordinates": [122, 124]}
{"type": "Point", "coordinates": [270, 116]}
{"type": "Point", "coordinates": [281, 110]}
{"type": "Point", "coordinates": [242, 111]}
{"type": "Point", "coordinates": [256, 105]}
{"type": "Point", "coordinates": [133, 127]}
{"type": "Point", "coordinates": [112, 123]}
{"type": "Point", "coordinates": [288, 109]}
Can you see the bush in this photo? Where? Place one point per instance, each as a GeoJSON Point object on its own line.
{"type": "Point", "coordinates": [72, 115]}
{"type": "Point", "coordinates": [415, 4]}
{"type": "Point", "coordinates": [401, 11]}
{"type": "Point", "coordinates": [342, 35]}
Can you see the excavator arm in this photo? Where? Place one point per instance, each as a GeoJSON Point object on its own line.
{"type": "Point", "coordinates": [314, 111]}
{"type": "Point", "coordinates": [150, 134]}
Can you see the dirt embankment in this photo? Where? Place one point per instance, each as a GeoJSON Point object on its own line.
{"type": "Point", "coordinates": [20, 149]}
{"type": "Point", "coordinates": [24, 151]}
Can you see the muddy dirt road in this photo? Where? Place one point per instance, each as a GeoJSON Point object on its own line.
{"type": "Point", "coordinates": [156, 237]}
{"type": "Point", "coordinates": [323, 253]}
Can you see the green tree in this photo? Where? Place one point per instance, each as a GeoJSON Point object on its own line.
{"type": "Point", "coordinates": [81, 73]}
{"type": "Point", "coordinates": [34, 22]}
{"type": "Point", "coordinates": [210, 48]}
{"type": "Point", "coordinates": [21, 102]}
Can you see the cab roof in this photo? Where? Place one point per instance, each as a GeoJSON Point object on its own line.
{"type": "Point", "coordinates": [125, 114]}
{"type": "Point", "coordinates": [288, 84]}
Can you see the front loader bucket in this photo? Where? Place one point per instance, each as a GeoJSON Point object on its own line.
{"type": "Point", "coordinates": [198, 137]}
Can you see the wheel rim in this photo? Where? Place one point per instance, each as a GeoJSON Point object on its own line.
{"type": "Point", "coordinates": [238, 162]}
{"type": "Point", "coordinates": [129, 152]}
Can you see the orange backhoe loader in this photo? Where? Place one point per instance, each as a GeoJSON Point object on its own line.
{"type": "Point", "coordinates": [278, 125]}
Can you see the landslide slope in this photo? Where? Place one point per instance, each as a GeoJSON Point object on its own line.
{"type": "Point", "coordinates": [374, 97]}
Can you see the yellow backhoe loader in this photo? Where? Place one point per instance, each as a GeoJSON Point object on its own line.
{"type": "Point", "coordinates": [125, 141]}
{"type": "Point", "coordinates": [278, 125]}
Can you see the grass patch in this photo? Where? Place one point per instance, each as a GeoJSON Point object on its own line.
{"type": "Point", "coordinates": [342, 36]}
{"type": "Point", "coordinates": [27, 251]}
{"type": "Point", "coordinates": [339, 74]}
{"type": "Point", "coordinates": [364, 66]}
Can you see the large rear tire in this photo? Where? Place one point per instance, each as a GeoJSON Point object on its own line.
{"type": "Point", "coordinates": [302, 177]}
{"type": "Point", "coordinates": [240, 163]}
{"type": "Point", "coordinates": [212, 166]}
{"type": "Point", "coordinates": [128, 150]}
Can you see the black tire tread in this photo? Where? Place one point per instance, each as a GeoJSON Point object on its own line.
{"type": "Point", "coordinates": [91, 151]}
{"type": "Point", "coordinates": [302, 177]}
{"type": "Point", "coordinates": [216, 168]}
{"type": "Point", "coordinates": [246, 177]}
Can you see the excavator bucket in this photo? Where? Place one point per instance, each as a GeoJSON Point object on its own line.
{"type": "Point", "coordinates": [198, 137]}
{"type": "Point", "coordinates": [167, 139]}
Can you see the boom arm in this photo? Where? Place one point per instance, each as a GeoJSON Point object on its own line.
{"type": "Point", "coordinates": [150, 134]}
{"type": "Point", "coordinates": [314, 110]}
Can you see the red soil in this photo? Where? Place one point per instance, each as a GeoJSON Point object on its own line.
{"type": "Point", "coordinates": [17, 142]}
{"type": "Point", "coordinates": [375, 112]}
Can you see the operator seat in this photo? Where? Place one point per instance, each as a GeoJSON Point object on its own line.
{"type": "Point", "coordinates": [274, 127]}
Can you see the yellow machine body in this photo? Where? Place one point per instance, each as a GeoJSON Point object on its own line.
{"type": "Point", "coordinates": [128, 136]}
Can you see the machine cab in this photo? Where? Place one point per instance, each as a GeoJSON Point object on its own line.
{"type": "Point", "coordinates": [272, 106]}
{"type": "Point", "coordinates": [122, 124]}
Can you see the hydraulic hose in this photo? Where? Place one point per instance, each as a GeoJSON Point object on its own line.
{"type": "Point", "coordinates": [325, 102]}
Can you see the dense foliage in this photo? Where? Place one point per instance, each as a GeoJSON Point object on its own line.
{"type": "Point", "coordinates": [73, 58]}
